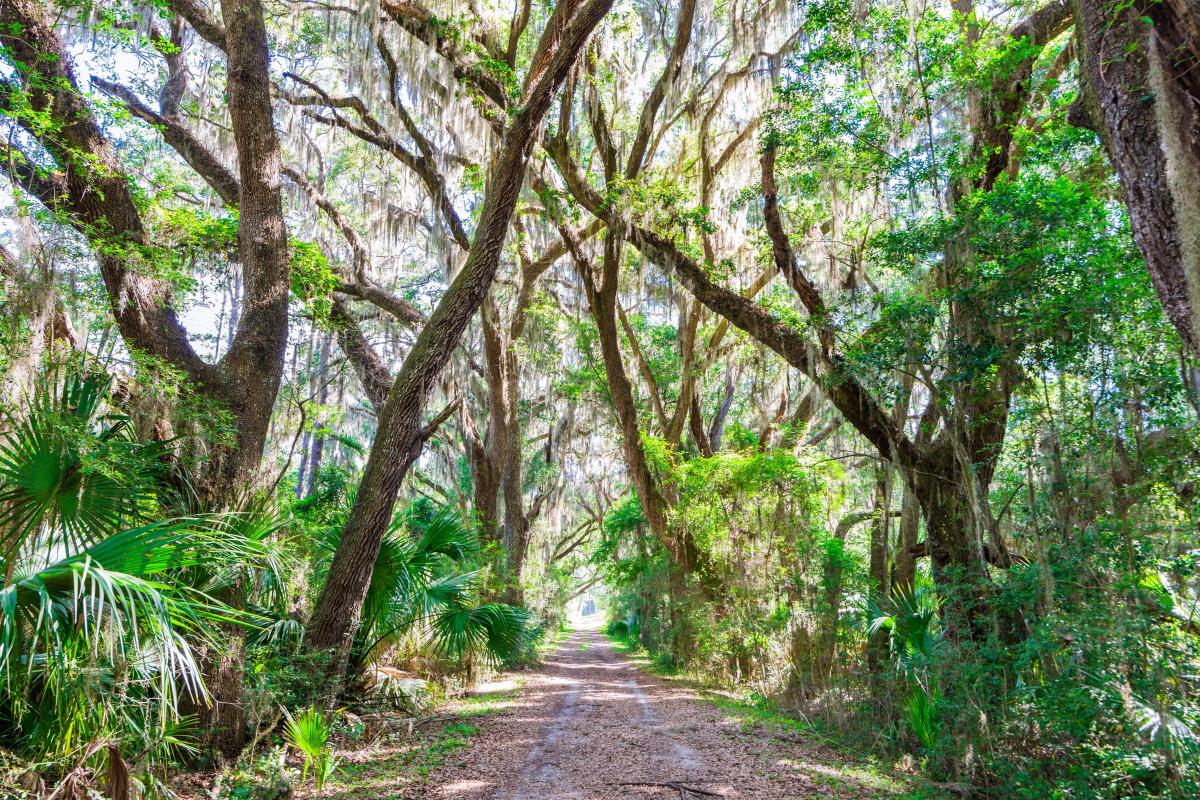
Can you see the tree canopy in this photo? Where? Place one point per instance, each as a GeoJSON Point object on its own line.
{"type": "Point", "coordinates": [847, 350]}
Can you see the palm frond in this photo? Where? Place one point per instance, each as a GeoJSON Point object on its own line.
{"type": "Point", "coordinates": [447, 535]}
{"type": "Point", "coordinates": [73, 468]}
{"type": "Point", "coordinates": [407, 610]}
{"type": "Point", "coordinates": [308, 732]}
{"type": "Point", "coordinates": [495, 630]}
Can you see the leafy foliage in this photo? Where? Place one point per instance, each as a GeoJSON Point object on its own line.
{"type": "Point", "coordinates": [308, 732]}
{"type": "Point", "coordinates": [425, 585]}
{"type": "Point", "coordinates": [99, 623]}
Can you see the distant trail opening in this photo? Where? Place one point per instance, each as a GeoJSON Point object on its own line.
{"type": "Point", "coordinates": [585, 610]}
{"type": "Point", "coordinates": [592, 725]}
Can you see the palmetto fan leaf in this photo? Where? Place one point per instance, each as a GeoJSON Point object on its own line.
{"type": "Point", "coordinates": [109, 594]}
{"type": "Point", "coordinates": [103, 639]}
{"type": "Point", "coordinates": [408, 563]}
{"type": "Point", "coordinates": [495, 629]}
{"type": "Point", "coordinates": [405, 610]}
{"type": "Point", "coordinates": [99, 607]}
{"type": "Point", "coordinates": [261, 530]}
{"type": "Point", "coordinates": [422, 582]}
{"type": "Point", "coordinates": [308, 732]}
{"type": "Point", "coordinates": [443, 592]}
{"type": "Point", "coordinates": [912, 622]}
{"type": "Point", "coordinates": [72, 467]}
{"type": "Point", "coordinates": [446, 535]}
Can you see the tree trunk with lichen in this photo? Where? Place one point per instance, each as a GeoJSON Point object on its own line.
{"type": "Point", "coordinates": [1140, 64]}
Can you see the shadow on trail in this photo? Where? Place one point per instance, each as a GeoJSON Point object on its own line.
{"type": "Point", "coordinates": [591, 725]}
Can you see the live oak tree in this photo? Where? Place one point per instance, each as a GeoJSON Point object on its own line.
{"type": "Point", "coordinates": [826, 339]}
{"type": "Point", "coordinates": [400, 434]}
{"type": "Point", "coordinates": [89, 186]}
{"type": "Point", "coordinates": [950, 461]}
{"type": "Point", "coordinates": [92, 191]}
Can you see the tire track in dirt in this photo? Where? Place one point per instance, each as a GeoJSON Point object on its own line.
{"type": "Point", "coordinates": [589, 721]}
{"type": "Point", "coordinates": [541, 762]}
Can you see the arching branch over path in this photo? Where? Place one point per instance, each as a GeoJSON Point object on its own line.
{"type": "Point", "coordinates": [398, 441]}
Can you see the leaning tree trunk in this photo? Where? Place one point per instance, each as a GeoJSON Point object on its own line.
{"type": "Point", "coordinates": [602, 298]}
{"type": "Point", "coordinates": [398, 441]}
{"type": "Point", "coordinates": [1142, 94]}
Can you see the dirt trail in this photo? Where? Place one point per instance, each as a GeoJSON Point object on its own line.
{"type": "Point", "coordinates": [590, 724]}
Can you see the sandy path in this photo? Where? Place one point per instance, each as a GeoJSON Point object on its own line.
{"type": "Point", "coordinates": [589, 720]}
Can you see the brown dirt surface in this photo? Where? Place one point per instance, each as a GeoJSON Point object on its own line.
{"type": "Point", "coordinates": [590, 724]}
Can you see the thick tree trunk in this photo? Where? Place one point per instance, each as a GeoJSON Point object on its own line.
{"type": "Point", "coordinates": [250, 374]}
{"type": "Point", "coordinates": [222, 722]}
{"type": "Point", "coordinates": [252, 370]}
{"type": "Point", "coordinates": [398, 441]}
{"type": "Point", "coordinates": [1142, 94]}
{"type": "Point", "coordinates": [94, 189]}
{"type": "Point", "coordinates": [956, 553]}
{"type": "Point", "coordinates": [485, 477]}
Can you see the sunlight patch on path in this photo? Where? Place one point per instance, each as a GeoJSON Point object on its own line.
{"type": "Point", "coordinates": [590, 722]}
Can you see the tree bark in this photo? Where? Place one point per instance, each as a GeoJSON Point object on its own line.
{"type": "Point", "coordinates": [504, 442]}
{"type": "Point", "coordinates": [904, 566]}
{"type": "Point", "coordinates": [1141, 77]}
{"type": "Point", "coordinates": [603, 300]}
{"type": "Point", "coordinates": [253, 368]}
{"type": "Point", "coordinates": [318, 441]}
{"type": "Point", "coordinates": [93, 187]}
{"type": "Point", "coordinates": [878, 561]}
{"type": "Point", "coordinates": [336, 616]}
{"type": "Point", "coordinates": [94, 190]}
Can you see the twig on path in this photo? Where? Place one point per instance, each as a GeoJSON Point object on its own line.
{"type": "Point", "coordinates": [415, 722]}
{"type": "Point", "coordinates": [676, 785]}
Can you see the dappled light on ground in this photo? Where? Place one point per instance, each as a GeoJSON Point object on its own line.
{"type": "Point", "coordinates": [590, 725]}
